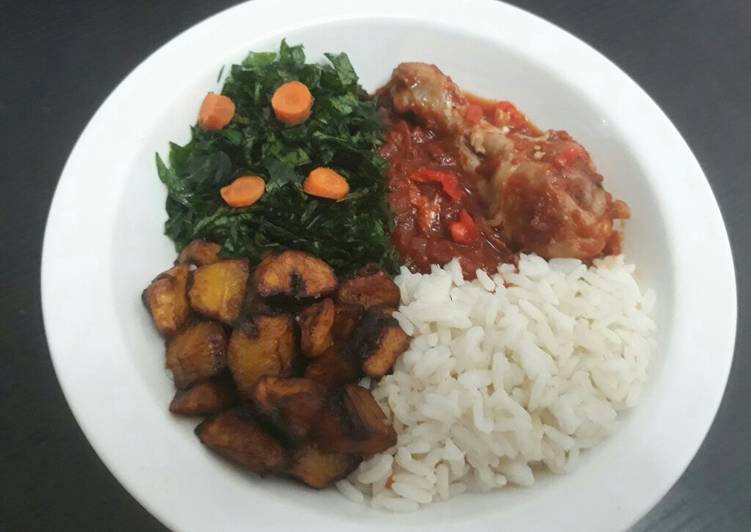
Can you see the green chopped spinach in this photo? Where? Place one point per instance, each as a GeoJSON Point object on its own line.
{"type": "Point", "coordinates": [342, 133]}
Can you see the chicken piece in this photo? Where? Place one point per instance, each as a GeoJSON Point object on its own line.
{"type": "Point", "coordinates": [237, 437]}
{"type": "Point", "coordinates": [319, 469]}
{"type": "Point", "coordinates": [295, 274]}
{"type": "Point", "coordinates": [378, 342]}
{"type": "Point", "coordinates": [200, 253]}
{"type": "Point", "coordinates": [427, 93]}
{"type": "Point", "coordinates": [541, 189]}
{"type": "Point", "coordinates": [316, 323]}
{"type": "Point", "coordinates": [204, 398]}
{"type": "Point", "coordinates": [346, 318]}
{"type": "Point", "coordinates": [291, 405]}
{"type": "Point", "coordinates": [167, 299]}
{"type": "Point", "coordinates": [218, 289]}
{"type": "Point", "coordinates": [545, 195]}
{"type": "Point", "coordinates": [265, 346]}
{"type": "Point", "coordinates": [197, 352]}
{"type": "Point", "coordinates": [353, 423]}
{"type": "Point", "coordinates": [334, 368]}
{"type": "Point", "coordinates": [370, 287]}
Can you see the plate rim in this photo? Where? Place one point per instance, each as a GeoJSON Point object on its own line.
{"type": "Point", "coordinates": [334, 8]}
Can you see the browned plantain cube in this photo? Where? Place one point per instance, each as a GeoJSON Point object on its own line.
{"type": "Point", "coordinates": [393, 341]}
{"type": "Point", "coordinates": [295, 274]}
{"type": "Point", "coordinates": [353, 423]}
{"type": "Point", "coordinates": [346, 318]}
{"type": "Point", "coordinates": [167, 299]}
{"type": "Point", "coordinates": [378, 341]}
{"type": "Point", "coordinates": [200, 253]}
{"type": "Point", "coordinates": [197, 352]}
{"type": "Point", "coordinates": [204, 398]}
{"type": "Point", "coordinates": [334, 368]}
{"type": "Point", "coordinates": [218, 289]}
{"type": "Point", "coordinates": [265, 346]}
{"type": "Point", "coordinates": [316, 323]}
{"type": "Point", "coordinates": [237, 437]}
{"type": "Point", "coordinates": [291, 405]}
{"type": "Point", "coordinates": [319, 469]}
{"type": "Point", "coordinates": [370, 287]}
{"type": "Point", "coordinates": [256, 305]}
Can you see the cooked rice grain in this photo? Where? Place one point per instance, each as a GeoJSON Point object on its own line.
{"type": "Point", "coordinates": [505, 374]}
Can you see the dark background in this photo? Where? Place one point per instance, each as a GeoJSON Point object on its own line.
{"type": "Point", "coordinates": [59, 60]}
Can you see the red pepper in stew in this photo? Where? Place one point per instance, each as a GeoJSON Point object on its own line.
{"type": "Point", "coordinates": [449, 182]}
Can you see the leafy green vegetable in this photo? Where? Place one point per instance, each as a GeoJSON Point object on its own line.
{"type": "Point", "coordinates": [342, 133]}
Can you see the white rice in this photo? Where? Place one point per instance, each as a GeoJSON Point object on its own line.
{"type": "Point", "coordinates": [505, 375]}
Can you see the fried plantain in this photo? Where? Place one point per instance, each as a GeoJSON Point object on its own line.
{"type": "Point", "coordinates": [197, 352]}
{"type": "Point", "coordinates": [291, 405]}
{"type": "Point", "coordinates": [167, 299]}
{"type": "Point", "coordinates": [333, 368]}
{"type": "Point", "coordinates": [235, 435]}
{"type": "Point", "coordinates": [346, 318]}
{"type": "Point", "coordinates": [319, 469]}
{"type": "Point", "coordinates": [204, 398]}
{"type": "Point", "coordinates": [294, 274]}
{"type": "Point", "coordinates": [371, 287]}
{"type": "Point", "coordinates": [200, 253]}
{"type": "Point", "coordinates": [316, 323]}
{"type": "Point", "coordinates": [267, 345]}
{"type": "Point", "coordinates": [378, 342]}
{"type": "Point", "coordinates": [218, 289]}
{"type": "Point", "coordinates": [353, 423]}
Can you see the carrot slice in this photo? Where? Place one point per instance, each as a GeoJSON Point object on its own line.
{"type": "Point", "coordinates": [243, 191]}
{"type": "Point", "coordinates": [292, 103]}
{"type": "Point", "coordinates": [216, 111]}
{"type": "Point", "coordinates": [325, 183]}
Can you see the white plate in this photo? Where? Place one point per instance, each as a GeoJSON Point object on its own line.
{"type": "Point", "coordinates": [104, 243]}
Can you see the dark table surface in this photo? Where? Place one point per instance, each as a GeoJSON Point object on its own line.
{"type": "Point", "coordinates": [59, 60]}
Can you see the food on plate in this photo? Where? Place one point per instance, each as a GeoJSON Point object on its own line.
{"type": "Point", "coordinates": [263, 345]}
{"type": "Point", "coordinates": [507, 375]}
{"type": "Point", "coordinates": [346, 317]}
{"type": "Point", "coordinates": [316, 324]}
{"type": "Point", "coordinates": [295, 274]}
{"type": "Point", "coordinates": [292, 405]}
{"type": "Point", "coordinates": [235, 435]}
{"type": "Point", "coordinates": [292, 103]}
{"type": "Point", "coordinates": [218, 290]}
{"type": "Point", "coordinates": [319, 469]}
{"type": "Point", "coordinates": [197, 351]}
{"type": "Point", "coordinates": [370, 287]}
{"type": "Point", "coordinates": [167, 299]}
{"type": "Point", "coordinates": [216, 112]}
{"type": "Point", "coordinates": [333, 368]}
{"type": "Point", "coordinates": [200, 253]}
{"type": "Point", "coordinates": [204, 398]}
{"type": "Point", "coordinates": [511, 340]}
{"type": "Point", "coordinates": [346, 226]}
{"type": "Point", "coordinates": [378, 342]}
{"type": "Point", "coordinates": [325, 183]}
{"type": "Point", "coordinates": [243, 191]}
{"type": "Point", "coordinates": [280, 386]}
{"type": "Point", "coordinates": [510, 186]}
{"type": "Point", "coordinates": [352, 422]}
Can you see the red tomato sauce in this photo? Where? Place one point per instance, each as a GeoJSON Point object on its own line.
{"type": "Point", "coordinates": [434, 225]}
